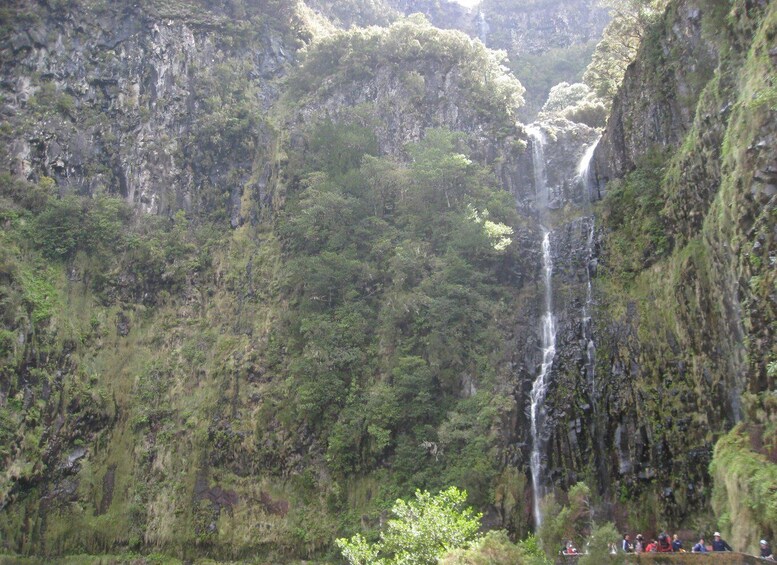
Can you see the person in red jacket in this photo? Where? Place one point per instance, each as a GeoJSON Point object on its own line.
{"type": "Point", "coordinates": [664, 544]}
{"type": "Point", "coordinates": [651, 546]}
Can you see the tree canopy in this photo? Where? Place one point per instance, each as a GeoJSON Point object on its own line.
{"type": "Point", "coordinates": [620, 43]}
{"type": "Point", "coordinates": [421, 532]}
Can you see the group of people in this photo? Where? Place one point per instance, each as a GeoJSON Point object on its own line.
{"type": "Point", "coordinates": [674, 545]}
{"type": "Point", "coordinates": [718, 544]}
{"type": "Point", "coordinates": [664, 544]}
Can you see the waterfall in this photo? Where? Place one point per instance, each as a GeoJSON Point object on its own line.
{"type": "Point", "coordinates": [586, 183]}
{"type": "Point", "coordinates": [584, 168]}
{"type": "Point", "coordinates": [588, 331]}
{"type": "Point", "coordinates": [584, 178]}
{"type": "Point", "coordinates": [483, 27]}
{"type": "Point", "coordinates": [540, 385]}
{"type": "Point", "coordinates": [538, 162]}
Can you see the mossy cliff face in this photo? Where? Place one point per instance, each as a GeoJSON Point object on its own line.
{"type": "Point", "coordinates": [310, 327]}
{"type": "Point", "coordinates": [122, 330]}
{"type": "Point", "coordinates": [248, 301]}
{"type": "Point", "coordinates": [685, 289]}
{"type": "Point", "coordinates": [656, 104]}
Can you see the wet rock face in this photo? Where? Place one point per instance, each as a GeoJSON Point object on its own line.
{"type": "Point", "coordinates": [561, 200]}
{"type": "Point", "coordinates": [116, 101]}
{"type": "Point", "coordinates": [565, 144]}
{"type": "Point", "coordinates": [675, 355]}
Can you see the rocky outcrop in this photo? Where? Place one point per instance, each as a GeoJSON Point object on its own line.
{"type": "Point", "coordinates": [523, 28]}
{"type": "Point", "coordinates": [412, 77]}
{"type": "Point", "coordinates": [144, 103]}
{"type": "Point", "coordinates": [656, 104]}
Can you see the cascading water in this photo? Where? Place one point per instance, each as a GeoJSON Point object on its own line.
{"type": "Point", "coordinates": [483, 27]}
{"type": "Point", "coordinates": [586, 181]}
{"type": "Point", "coordinates": [584, 169]}
{"type": "Point", "coordinates": [540, 385]}
{"type": "Point", "coordinates": [538, 163]}
{"type": "Point", "coordinates": [588, 332]}
{"type": "Point", "coordinates": [584, 177]}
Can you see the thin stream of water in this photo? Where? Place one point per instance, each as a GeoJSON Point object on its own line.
{"type": "Point", "coordinates": [540, 385]}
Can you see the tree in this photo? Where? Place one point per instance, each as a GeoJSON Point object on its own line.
{"type": "Point", "coordinates": [620, 43]}
{"type": "Point", "coordinates": [575, 102]}
{"type": "Point", "coordinates": [423, 531]}
{"type": "Point", "coordinates": [571, 522]}
{"type": "Point", "coordinates": [438, 167]}
{"type": "Point", "coordinates": [496, 548]}
{"type": "Point", "coordinates": [598, 549]}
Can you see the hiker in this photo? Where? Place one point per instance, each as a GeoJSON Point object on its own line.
{"type": "Point", "coordinates": [626, 545]}
{"type": "Point", "coordinates": [766, 551]}
{"type": "Point", "coordinates": [719, 544]}
{"type": "Point", "coordinates": [571, 550]}
{"type": "Point", "coordinates": [699, 547]}
{"type": "Point", "coordinates": [664, 545]}
{"type": "Point", "coordinates": [677, 545]}
{"type": "Point", "coordinates": [639, 544]}
{"type": "Point", "coordinates": [651, 547]}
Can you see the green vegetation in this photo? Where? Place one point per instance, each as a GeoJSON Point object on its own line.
{"type": "Point", "coordinates": [539, 73]}
{"type": "Point", "coordinates": [575, 102]}
{"type": "Point", "coordinates": [347, 59]}
{"type": "Point", "coordinates": [745, 473]}
{"type": "Point", "coordinates": [623, 36]}
{"type": "Point", "coordinates": [571, 522]}
{"type": "Point", "coordinates": [439, 528]}
{"type": "Point", "coordinates": [254, 392]}
{"type": "Point", "coordinates": [421, 532]}
{"type": "Point", "coordinates": [169, 385]}
{"type": "Point", "coordinates": [494, 547]}
{"type": "Point", "coordinates": [67, 264]}
{"type": "Point", "coordinates": [366, 239]}
{"type": "Point", "coordinates": [633, 210]}
{"type": "Point", "coordinates": [599, 546]}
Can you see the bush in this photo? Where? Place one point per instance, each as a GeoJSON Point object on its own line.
{"type": "Point", "coordinates": [422, 531]}
{"type": "Point", "coordinates": [598, 549]}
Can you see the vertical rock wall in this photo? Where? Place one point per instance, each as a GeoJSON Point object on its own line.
{"type": "Point", "coordinates": [139, 102]}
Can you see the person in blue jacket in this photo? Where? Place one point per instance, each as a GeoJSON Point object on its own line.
{"type": "Point", "coordinates": [677, 545]}
{"type": "Point", "coordinates": [719, 544]}
{"type": "Point", "coordinates": [699, 547]}
{"type": "Point", "coordinates": [626, 545]}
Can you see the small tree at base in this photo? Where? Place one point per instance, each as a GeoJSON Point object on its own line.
{"type": "Point", "coordinates": [422, 531]}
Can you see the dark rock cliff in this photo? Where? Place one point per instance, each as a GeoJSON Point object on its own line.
{"type": "Point", "coordinates": [523, 28]}
{"type": "Point", "coordinates": [656, 104]}
{"type": "Point", "coordinates": [682, 319]}
{"type": "Point", "coordinates": [141, 101]}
